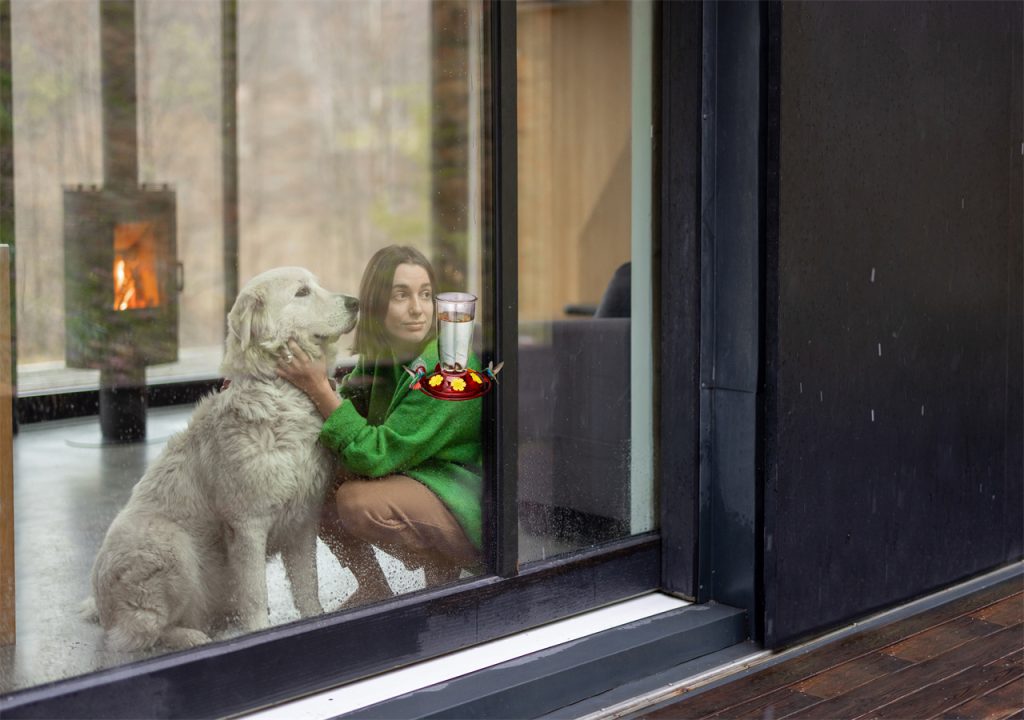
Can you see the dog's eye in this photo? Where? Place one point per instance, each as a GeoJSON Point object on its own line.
{"type": "Point", "coordinates": [302, 292]}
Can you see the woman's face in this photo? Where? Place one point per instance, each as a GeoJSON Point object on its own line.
{"type": "Point", "coordinates": [411, 308]}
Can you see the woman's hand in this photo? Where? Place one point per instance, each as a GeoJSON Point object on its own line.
{"type": "Point", "coordinates": [300, 369]}
{"type": "Point", "coordinates": [309, 376]}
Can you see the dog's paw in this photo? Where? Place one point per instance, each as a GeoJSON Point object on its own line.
{"type": "Point", "coordinates": [252, 623]}
{"type": "Point", "coordinates": [183, 638]}
{"type": "Point", "coordinates": [88, 612]}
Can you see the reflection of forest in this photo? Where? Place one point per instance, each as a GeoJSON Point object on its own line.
{"type": "Point", "coordinates": [334, 135]}
{"type": "Point", "coordinates": [338, 151]}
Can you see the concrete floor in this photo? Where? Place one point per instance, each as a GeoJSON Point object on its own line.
{"type": "Point", "coordinates": [68, 488]}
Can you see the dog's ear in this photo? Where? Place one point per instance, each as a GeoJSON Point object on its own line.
{"type": "Point", "coordinates": [248, 320]}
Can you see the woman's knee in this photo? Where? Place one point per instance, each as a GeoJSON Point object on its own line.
{"type": "Point", "coordinates": [354, 505]}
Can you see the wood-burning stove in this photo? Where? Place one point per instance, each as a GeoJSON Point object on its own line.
{"type": "Point", "coordinates": [121, 295]}
{"type": "Point", "coordinates": [122, 276]}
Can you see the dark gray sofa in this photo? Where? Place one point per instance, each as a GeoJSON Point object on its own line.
{"type": "Point", "coordinates": [574, 404]}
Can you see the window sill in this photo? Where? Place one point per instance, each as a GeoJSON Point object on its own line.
{"type": "Point", "coordinates": [388, 686]}
{"type": "Point", "coordinates": [539, 671]}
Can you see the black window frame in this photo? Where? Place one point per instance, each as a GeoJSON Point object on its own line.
{"type": "Point", "coordinates": [285, 662]}
{"type": "Point", "coordinates": [694, 44]}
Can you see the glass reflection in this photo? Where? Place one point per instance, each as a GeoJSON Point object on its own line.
{"type": "Point", "coordinates": [577, 395]}
{"type": "Point", "coordinates": [343, 142]}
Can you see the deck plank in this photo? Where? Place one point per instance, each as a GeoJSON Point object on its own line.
{"type": "Point", "coordinates": [943, 696]}
{"type": "Point", "coordinates": [867, 698]}
{"type": "Point", "coordinates": [759, 706]}
{"type": "Point", "coordinates": [703, 705]}
{"type": "Point", "coordinates": [752, 707]}
{"type": "Point", "coordinates": [854, 673]}
{"type": "Point", "coordinates": [819, 672]}
{"type": "Point", "coordinates": [1001, 702]}
{"type": "Point", "coordinates": [782, 702]}
{"type": "Point", "coordinates": [941, 638]}
{"type": "Point", "coordinates": [1007, 612]}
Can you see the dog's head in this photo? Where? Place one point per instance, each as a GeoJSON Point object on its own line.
{"type": "Point", "coordinates": [279, 305]}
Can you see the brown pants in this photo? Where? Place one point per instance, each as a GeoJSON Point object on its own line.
{"type": "Point", "coordinates": [403, 518]}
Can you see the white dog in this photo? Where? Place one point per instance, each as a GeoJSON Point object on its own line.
{"type": "Point", "coordinates": [246, 479]}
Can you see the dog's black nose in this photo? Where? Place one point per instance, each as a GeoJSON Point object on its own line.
{"type": "Point", "coordinates": [351, 304]}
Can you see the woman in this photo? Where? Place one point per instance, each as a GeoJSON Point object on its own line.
{"type": "Point", "coordinates": [411, 481]}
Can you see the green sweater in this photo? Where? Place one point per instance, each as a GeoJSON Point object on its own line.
{"type": "Point", "coordinates": [385, 428]}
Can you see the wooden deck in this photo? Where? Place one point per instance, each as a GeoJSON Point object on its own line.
{"type": "Point", "coordinates": [964, 659]}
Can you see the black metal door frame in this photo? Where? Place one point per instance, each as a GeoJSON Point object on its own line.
{"type": "Point", "coordinates": [715, 190]}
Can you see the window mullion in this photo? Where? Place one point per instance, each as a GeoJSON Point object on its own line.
{"type": "Point", "coordinates": [504, 265]}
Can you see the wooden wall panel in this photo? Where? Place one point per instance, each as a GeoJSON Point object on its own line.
{"type": "Point", "coordinates": [574, 110]}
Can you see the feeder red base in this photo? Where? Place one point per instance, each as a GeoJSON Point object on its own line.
{"type": "Point", "coordinates": [442, 385]}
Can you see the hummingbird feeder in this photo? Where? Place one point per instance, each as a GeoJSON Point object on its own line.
{"type": "Point", "coordinates": [452, 378]}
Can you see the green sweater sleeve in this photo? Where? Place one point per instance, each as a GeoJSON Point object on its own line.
{"type": "Point", "coordinates": [418, 429]}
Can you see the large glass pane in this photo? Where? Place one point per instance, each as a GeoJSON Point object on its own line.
{"type": "Point", "coordinates": [160, 174]}
{"type": "Point", "coordinates": [585, 418]}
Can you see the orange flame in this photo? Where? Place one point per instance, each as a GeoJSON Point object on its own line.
{"type": "Point", "coordinates": [135, 276]}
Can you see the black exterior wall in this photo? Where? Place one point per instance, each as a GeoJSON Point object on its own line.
{"type": "Point", "coordinates": [893, 421]}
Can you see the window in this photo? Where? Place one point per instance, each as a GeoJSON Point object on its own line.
{"type": "Point", "coordinates": [335, 143]}
{"type": "Point", "coordinates": [585, 370]}
{"type": "Point", "coordinates": [312, 134]}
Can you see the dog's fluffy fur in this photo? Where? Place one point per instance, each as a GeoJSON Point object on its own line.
{"type": "Point", "coordinates": [246, 479]}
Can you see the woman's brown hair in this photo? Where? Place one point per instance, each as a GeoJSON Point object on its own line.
{"type": "Point", "coordinates": [371, 339]}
